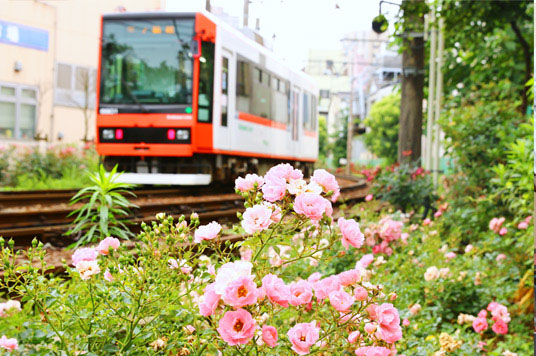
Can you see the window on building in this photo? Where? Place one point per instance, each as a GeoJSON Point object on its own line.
{"type": "Point", "coordinates": [18, 111]}
{"type": "Point", "coordinates": [324, 93]}
{"type": "Point", "coordinates": [75, 86]}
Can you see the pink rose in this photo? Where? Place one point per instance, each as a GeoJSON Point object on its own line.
{"type": "Point", "coordinates": [274, 188]}
{"type": "Point", "coordinates": [328, 182]}
{"type": "Point", "coordinates": [365, 261]}
{"type": "Point", "coordinates": [390, 335]}
{"type": "Point", "coordinates": [248, 183]}
{"type": "Point", "coordinates": [352, 338]}
{"type": "Point", "coordinates": [360, 294]}
{"type": "Point", "coordinates": [349, 277]}
{"type": "Point", "coordinates": [314, 277]}
{"type": "Point", "coordinates": [351, 234]}
{"type": "Point", "coordinates": [500, 311]}
{"type": "Point", "coordinates": [370, 328]}
{"type": "Point", "coordinates": [87, 269]}
{"type": "Point", "coordinates": [341, 301]}
{"type": "Point", "coordinates": [210, 301]}
{"type": "Point", "coordinates": [325, 286]}
{"type": "Point", "coordinates": [426, 222]}
{"type": "Point", "coordinates": [389, 321]}
{"type": "Point", "coordinates": [503, 231]}
{"type": "Point", "coordinates": [285, 171]}
{"type": "Point", "coordinates": [404, 238]}
{"type": "Point", "coordinates": [312, 205]}
{"type": "Point", "coordinates": [492, 306]}
{"type": "Point", "coordinates": [373, 351]}
{"type": "Point", "coordinates": [301, 293]}
{"type": "Point", "coordinates": [207, 232]}
{"type": "Point", "coordinates": [303, 336]}
{"type": "Point", "coordinates": [276, 290]}
{"type": "Point", "coordinates": [269, 335]}
{"type": "Point", "coordinates": [500, 257]}
{"type": "Point", "coordinates": [415, 309]}
{"type": "Point", "coordinates": [276, 211]}
{"type": "Point", "coordinates": [405, 322]}
{"type": "Point", "coordinates": [482, 314]}
{"type": "Point", "coordinates": [108, 276]}
{"type": "Point", "coordinates": [257, 218]}
{"type": "Point", "coordinates": [369, 197]}
{"type": "Point", "coordinates": [371, 310]}
{"type": "Point", "coordinates": [8, 344]}
{"type": "Point", "coordinates": [500, 327]}
{"type": "Point", "coordinates": [523, 225]}
{"type": "Point", "coordinates": [480, 325]}
{"type": "Point", "coordinates": [106, 244]}
{"type": "Point", "coordinates": [438, 213]}
{"type": "Point", "coordinates": [450, 255]}
{"type": "Point", "coordinates": [84, 254]}
{"type": "Point", "coordinates": [390, 230]}
{"type": "Point", "coordinates": [237, 327]}
{"type": "Point", "coordinates": [245, 253]}
{"type": "Point", "coordinates": [240, 292]}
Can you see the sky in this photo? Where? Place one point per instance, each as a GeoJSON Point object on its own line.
{"type": "Point", "coordinates": [299, 25]}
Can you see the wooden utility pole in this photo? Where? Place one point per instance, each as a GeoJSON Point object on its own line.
{"type": "Point", "coordinates": [410, 128]}
{"type": "Point", "coordinates": [350, 127]}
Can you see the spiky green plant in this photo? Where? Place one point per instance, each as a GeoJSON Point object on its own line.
{"type": "Point", "coordinates": [105, 208]}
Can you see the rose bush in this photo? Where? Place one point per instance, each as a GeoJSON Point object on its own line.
{"type": "Point", "coordinates": [183, 289]}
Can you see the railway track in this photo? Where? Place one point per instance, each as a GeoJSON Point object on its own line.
{"type": "Point", "coordinates": [47, 218]}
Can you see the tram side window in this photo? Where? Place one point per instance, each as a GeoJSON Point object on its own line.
{"type": "Point", "coordinates": [224, 89]}
{"type": "Point", "coordinates": [280, 101]}
{"type": "Point", "coordinates": [260, 103]}
{"type": "Point", "coordinates": [243, 85]}
{"type": "Point", "coordinates": [306, 112]}
{"type": "Point", "coordinates": [314, 113]}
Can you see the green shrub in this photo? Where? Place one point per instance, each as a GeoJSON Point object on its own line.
{"type": "Point", "coordinates": [405, 186]}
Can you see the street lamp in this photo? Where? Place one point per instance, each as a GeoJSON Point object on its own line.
{"type": "Point", "coordinates": [380, 23]}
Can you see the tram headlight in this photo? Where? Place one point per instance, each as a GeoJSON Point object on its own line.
{"type": "Point", "coordinates": [183, 134]}
{"type": "Point", "coordinates": [108, 134]}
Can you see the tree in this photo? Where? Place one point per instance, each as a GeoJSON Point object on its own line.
{"type": "Point", "coordinates": [382, 123]}
{"type": "Point", "coordinates": [323, 140]}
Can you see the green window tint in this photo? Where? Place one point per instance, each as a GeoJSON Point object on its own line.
{"type": "Point", "coordinates": [27, 121]}
{"type": "Point", "coordinates": [7, 119]}
{"type": "Point", "coordinates": [206, 82]}
{"type": "Point", "coordinates": [147, 62]}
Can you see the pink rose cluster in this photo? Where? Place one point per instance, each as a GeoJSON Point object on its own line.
{"type": "Point", "coordinates": [384, 234]}
{"type": "Point", "coordinates": [234, 289]}
{"type": "Point", "coordinates": [499, 315]}
{"type": "Point", "coordinates": [85, 259]}
{"type": "Point", "coordinates": [495, 225]}
{"type": "Point", "coordinates": [282, 181]}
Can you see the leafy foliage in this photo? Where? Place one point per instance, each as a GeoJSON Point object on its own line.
{"type": "Point", "coordinates": [405, 186]}
{"type": "Point", "coordinates": [382, 122]}
{"type": "Point", "coordinates": [57, 167]}
{"type": "Point", "coordinates": [104, 203]}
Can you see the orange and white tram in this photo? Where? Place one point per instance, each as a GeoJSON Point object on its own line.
{"type": "Point", "coordinates": [186, 99]}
